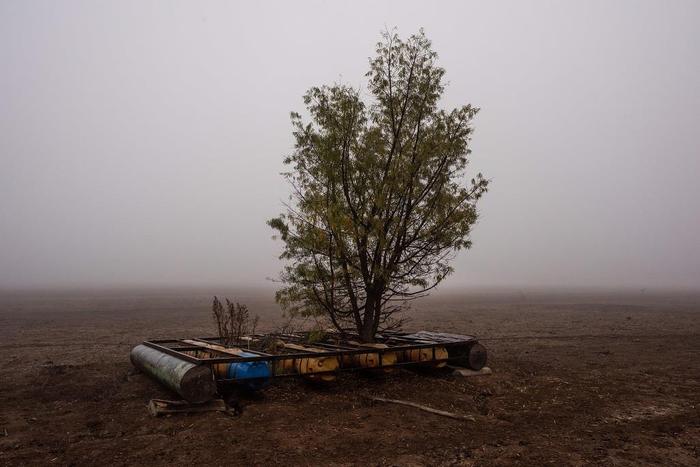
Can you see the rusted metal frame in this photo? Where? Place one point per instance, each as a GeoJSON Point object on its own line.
{"type": "Point", "coordinates": [229, 359]}
{"type": "Point", "coordinates": [174, 353]}
{"type": "Point", "coordinates": [178, 352]}
{"type": "Point", "coordinates": [188, 348]}
{"type": "Point", "coordinates": [333, 346]}
{"type": "Point", "coordinates": [257, 352]}
{"type": "Point", "coordinates": [343, 369]}
{"type": "Point", "coordinates": [270, 358]}
{"type": "Point", "coordinates": [339, 370]}
{"type": "Point", "coordinates": [218, 341]}
{"type": "Point", "coordinates": [199, 361]}
{"type": "Point", "coordinates": [403, 336]}
{"type": "Point", "coordinates": [208, 339]}
{"type": "Point", "coordinates": [324, 345]}
{"type": "Point", "coordinates": [260, 358]}
{"type": "Point", "coordinates": [276, 357]}
{"type": "Point", "coordinates": [297, 339]}
{"type": "Point", "coordinates": [170, 343]}
{"type": "Point", "coordinates": [406, 339]}
{"type": "Point", "coordinates": [349, 349]}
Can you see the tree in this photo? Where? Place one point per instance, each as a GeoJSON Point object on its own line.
{"type": "Point", "coordinates": [379, 205]}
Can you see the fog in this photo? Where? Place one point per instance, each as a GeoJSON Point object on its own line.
{"type": "Point", "coordinates": [141, 143]}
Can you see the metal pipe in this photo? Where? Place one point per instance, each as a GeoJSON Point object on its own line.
{"type": "Point", "coordinates": [194, 383]}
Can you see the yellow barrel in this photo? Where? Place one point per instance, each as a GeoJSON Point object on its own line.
{"type": "Point", "coordinates": [313, 368]}
{"type": "Point", "coordinates": [389, 359]}
{"type": "Point", "coordinates": [282, 367]}
{"type": "Point", "coordinates": [426, 356]}
{"type": "Point", "coordinates": [316, 368]}
{"type": "Point", "coordinates": [364, 360]}
{"type": "Point", "coordinates": [371, 360]}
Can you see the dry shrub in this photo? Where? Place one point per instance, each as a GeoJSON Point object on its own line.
{"type": "Point", "coordinates": [233, 321]}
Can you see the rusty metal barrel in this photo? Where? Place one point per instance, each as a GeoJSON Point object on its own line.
{"type": "Point", "coordinates": [427, 357]}
{"type": "Point", "coordinates": [371, 359]}
{"type": "Point", "coordinates": [316, 368]}
{"type": "Point", "coordinates": [472, 356]}
{"type": "Point", "coordinates": [194, 383]}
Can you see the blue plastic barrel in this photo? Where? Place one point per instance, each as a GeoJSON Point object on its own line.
{"type": "Point", "coordinates": [252, 375]}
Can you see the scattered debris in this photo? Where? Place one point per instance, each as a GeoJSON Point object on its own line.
{"type": "Point", "coordinates": [158, 407]}
{"type": "Point", "coordinates": [425, 408]}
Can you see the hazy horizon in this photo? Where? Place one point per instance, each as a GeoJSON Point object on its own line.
{"type": "Point", "coordinates": [141, 145]}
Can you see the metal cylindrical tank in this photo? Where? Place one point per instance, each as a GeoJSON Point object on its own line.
{"type": "Point", "coordinates": [194, 383]}
{"type": "Point", "coordinates": [472, 356]}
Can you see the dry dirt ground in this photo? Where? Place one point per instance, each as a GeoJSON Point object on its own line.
{"type": "Point", "coordinates": [579, 379]}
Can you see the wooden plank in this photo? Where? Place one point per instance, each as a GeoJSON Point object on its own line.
{"type": "Point", "coordinates": [219, 348]}
{"type": "Point", "coordinates": [288, 345]}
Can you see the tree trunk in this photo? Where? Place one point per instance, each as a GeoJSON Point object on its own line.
{"type": "Point", "coordinates": [367, 330]}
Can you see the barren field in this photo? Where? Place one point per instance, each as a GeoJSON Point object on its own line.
{"type": "Point", "coordinates": [578, 379]}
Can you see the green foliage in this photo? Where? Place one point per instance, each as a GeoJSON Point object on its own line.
{"type": "Point", "coordinates": [379, 204]}
{"type": "Point", "coordinates": [316, 335]}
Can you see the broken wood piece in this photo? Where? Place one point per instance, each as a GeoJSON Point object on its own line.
{"type": "Point", "coordinates": [425, 408]}
{"type": "Point", "coordinates": [460, 371]}
{"type": "Point", "coordinates": [158, 407]}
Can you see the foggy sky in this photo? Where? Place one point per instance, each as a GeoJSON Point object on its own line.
{"type": "Point", "coordinates": [141, 142]}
